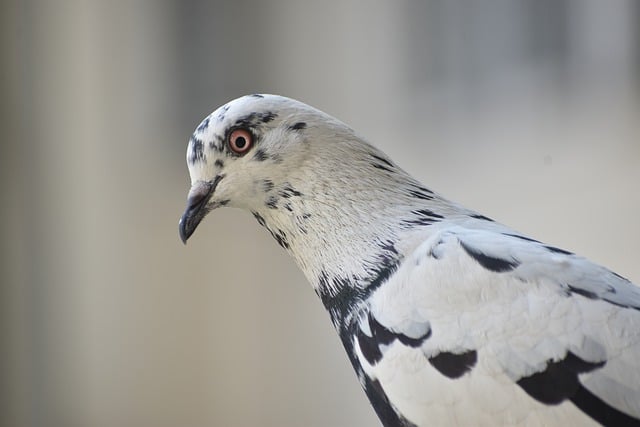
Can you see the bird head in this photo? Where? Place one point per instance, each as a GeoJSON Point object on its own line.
{"type": "Point", "coordinates": [250, 150]}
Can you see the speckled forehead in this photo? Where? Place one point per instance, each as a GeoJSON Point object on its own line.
{"type": "Point", "coordinates": [211, 133]}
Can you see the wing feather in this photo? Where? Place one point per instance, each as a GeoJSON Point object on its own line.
{"type": "Point", "coordinates": [547, 331]}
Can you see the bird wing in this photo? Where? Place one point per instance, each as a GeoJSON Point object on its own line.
{"type": "Point", "coordinates": [482, 327]}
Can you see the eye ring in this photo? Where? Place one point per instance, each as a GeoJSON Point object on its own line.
{"type": "Point", "coordinates": [240, 141]}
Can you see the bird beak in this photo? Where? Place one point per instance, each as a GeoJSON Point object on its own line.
{"type": "Point", "coordinates": [197, 209]}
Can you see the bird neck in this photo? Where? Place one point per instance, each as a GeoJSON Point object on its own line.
{"type": "Point", "coordinates": [348, 233]}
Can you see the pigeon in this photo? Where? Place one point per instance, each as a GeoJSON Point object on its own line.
{"type": "Point", "coordinates": [447, 316]}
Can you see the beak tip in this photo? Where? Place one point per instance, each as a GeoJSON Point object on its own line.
{"type": "Point", "coordinates": [182, 230]}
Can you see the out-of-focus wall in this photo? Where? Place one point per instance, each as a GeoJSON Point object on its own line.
{"type": "Point", "coordinates": [526, 111]}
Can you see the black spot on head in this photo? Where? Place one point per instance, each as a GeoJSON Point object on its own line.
{"type": "Point", "coordinates": [559, 380]}
{"type": "Point", "coordinates": [218, 144]}
{"type": "Point", "coordinates": [558, 250]}
{"type": "Point", "coordinates": [453, 365]}
{"type": "Point", "coordinates": [267, 116]}
{"type": "Point", "coordinates": [249, 121]}
{"type": "Point", "coordinates": [223, 112]}
{"type": "Point", "coordinates": [255, 119]}
{"type": "Point", "coordinates": [297, 126]}
{"type": "Point", "coordinates": [204, 125]}
{"type": "Point", "coordinates": [498, 265]}
{"type": "Point", "coordinates": [197, 150]}
{"type": "Point", "coordinates": [256, 95]}
{"type": "Point", "coordinates": [482, 217]}
{"type": "Point", "coordinates": [260, 155]}
{"type": "Point", "coordinates": [219, 163]}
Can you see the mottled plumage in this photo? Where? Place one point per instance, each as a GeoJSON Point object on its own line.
{"type": "Point", "coordinates": [448, 317]}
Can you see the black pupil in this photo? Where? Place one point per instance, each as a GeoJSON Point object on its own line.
{"type": "Point", "coordinates": [241, 142]}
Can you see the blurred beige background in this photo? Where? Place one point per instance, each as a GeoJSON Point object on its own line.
{"type": "Point", "coordinates": [527, 111]}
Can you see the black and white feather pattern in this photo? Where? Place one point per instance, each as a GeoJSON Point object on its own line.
{"type": "Point", "coordinates": [447, 317]}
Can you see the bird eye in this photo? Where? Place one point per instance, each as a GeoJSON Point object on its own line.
{"type": "Point", "coordinates": [240, 141]}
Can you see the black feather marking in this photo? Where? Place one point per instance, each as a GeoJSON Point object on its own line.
{"type": "Point", "coordinates": [599, 410]}
{"type": "Point", "coordinates": [288, 191]}
{"type": "Point", "coordinates": [341, 295]}
{"type": "Point", "coordinates": [453, 365]}
{"type": "Point", "coordinates": [219, 163]}
{"type": "Point", "coordinates": [223, 112]}
{"type": "Point", "coordinates": [498, 265]}
{"type": "Point", "coordinates": [421, 194]}
{"type": "Point", "coordinates": [256, 95]}
{"type": "Point", "coordinates": [260, 155]}
{"type": "Point", "coordinates": [268, 116]}
{"type": "Point", "coordinates": [217, 145]}
{"type": "Point", "coordinates": [383, 275]}
{"type": "Point", "coordinates": [558, 250]}
{"type": "Point", "coordinates": [583, 292]}
{"type": "Point", "coordinates": [559, 381]}
{"type": "Point", "coordinates": [197, 150]}
{"type": "Point", "coordinates": [517, 236]}
{"type": "Point", "coordinates": [280, 237]}
{"type": "Point", "coordinates": [369, 348]}
{"type": "Point", "coordinates": [297, 126]}
{"type": "Point", "coordinates": [482, 217]}
{"type": "Point", "coordinates": [383, 160]}
{"type": "Point", "coordinates": [253, 120]}
{"type": "Point", "coordinates": [421, 188]}
{"type": "Point", "coordinates": [620, 277]}
{"type": "Point", "coordinates": [259, 218]}
{"type": "Point", "coordinates": [382, 167]}
{"type": "Point", "coordinates": [272, 202]}
{"type": "Point", "coordinates": [414, 342]}
{"type": "Point", "coordinates": [570, 290]}
{"type": "Point", "coordinates": [380, 335]}
{"type": "Point", "coordinates": [423, 217]}
{"type": "Point", "coordinates": [380, 402]}
{"type": "Point", "coordinates": [382, 164]}
{"type": "Point", "coordinates": [267, 185]}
